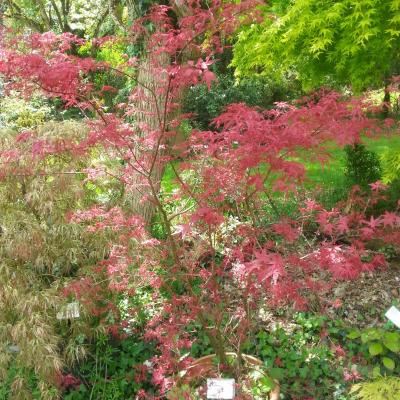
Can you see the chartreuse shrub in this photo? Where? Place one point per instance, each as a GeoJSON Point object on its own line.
{"type": "Point", "coordinates": [17, 113]}
{"type": "Point", "coordinates": [391, 165]}
{"type": "Point", "coordinates": [115, 86]}
{"type": "Point", "coordinates": [345, 42]}
{"type": "Point", "coordinates": [384, 388]}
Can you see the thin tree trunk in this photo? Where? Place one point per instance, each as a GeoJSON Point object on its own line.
{"type": "Point", "coordinates": [386, 103]}
{"type": "Point", "coordinates": [151, 116]}
{"type": "Point", "coordinates": [154, 104]}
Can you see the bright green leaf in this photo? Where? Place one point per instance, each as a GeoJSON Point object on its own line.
{"type": "Point", "coordinates": [391, 340]}
{"type": "Point", "coordinates": [375, 349]}
{"type": "Point", "coordinates": [376, 372]}
{"type": "Point", "coordinates": [353, 335]}
{"type": "Point", "coordinates": [388, 363]}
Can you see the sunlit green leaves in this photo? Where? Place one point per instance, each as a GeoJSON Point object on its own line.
{"type": "Point", "coordinates": [375, 349]}
{"type": "Point", "coordinates": [380, 389]}
{"type": "Point", "coordinates": [391, 340]}
{"type": "Point", "coordinates": [388, 363]}
{"type": "Point", "coordinates": [353, 42]}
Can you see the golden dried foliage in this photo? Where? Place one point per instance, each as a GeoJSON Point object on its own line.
{"type": "Point", "coordinates": [40, 252]}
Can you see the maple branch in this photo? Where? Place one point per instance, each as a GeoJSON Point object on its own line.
{"type": "Point", "coordinates": [177, 214]}
{"type": "Point", "coordinates": [112, 4]}
{"type": "Point", "coordinates": [46, 17]}
{"type": "Point", "coordinates": [100, 22]}
{"type": "Point", "coordinates": [162, 128]}
{"type": "Point", "coordinates": [273, 205]}
{"type": "Point", "coordinates": [183, 184]}
{"type": "Point", "coordinates": [58, 14]}
{"type": "Point", "coordinates": [33, 174]}
{"type": "Point", "coordinates": [200, 33]}
{"type": "Point", "coordinates": [65, 12]}
{"type": "Point", "coordinates": [16, 12]}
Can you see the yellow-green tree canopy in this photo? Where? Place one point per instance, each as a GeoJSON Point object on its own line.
{"type": "Point", "coordinates": [324, 42]}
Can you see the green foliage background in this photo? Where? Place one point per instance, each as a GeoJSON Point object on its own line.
{"type": "Point", "coordinates": [334, 42]}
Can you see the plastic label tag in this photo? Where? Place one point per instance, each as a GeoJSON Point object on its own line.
{"type": "Point", "coordinates": [70, 311]}
{"type": "Point", "coordinates": [223, 389]}
{"type": "Point", "coordinates": [393, 314]}
{"type": "Point", "coordinates": [13, 348]}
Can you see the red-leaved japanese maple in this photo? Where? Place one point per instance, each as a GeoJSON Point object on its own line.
{"type": "Point", "coordinates": [227, 253]}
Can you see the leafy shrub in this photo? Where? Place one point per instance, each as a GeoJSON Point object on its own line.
{"type": "Point", "coordinates": [390, 200]}
{"type": "Point", "coordinates": [18, 114]}
{"type": "Point", "coordinates": [295, 355]}
{"type": "Point", "coordinates": [381, 347]}
{"type": "Point", "coordinates": [30, 385]}
{"type": "Point", "coordinates": [114, 54]}
{"type": "Point", "coordinates": [41, 252]}
{"type": "Point", "coordinates": [391, 165]}
{"type": "Point", "coordinates": [208, 104]}
{"type": "Point", "coordinates": [114, 371]}
{"type": "Point", "coordinates": [362, 165]}
{"type": "Point", "coordinates": [381, 389]}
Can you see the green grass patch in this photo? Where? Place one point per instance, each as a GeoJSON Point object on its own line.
{"type": "Point", "coordinates": [327, 179]}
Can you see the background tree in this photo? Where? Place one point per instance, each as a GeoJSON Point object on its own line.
{"type": "Point", "coordinates": [334, 42]}
{"type": "Point", "coordinates": [75, 16]}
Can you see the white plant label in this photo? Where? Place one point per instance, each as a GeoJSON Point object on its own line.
{"type": "Point", "coordinates": [70, 311]}
{"type": "Point", "coordinates": [13, 348]}
{"type": "Point", "coordinates": [393, 314]}
{"type": "Point", "coordinates": [222, 389]}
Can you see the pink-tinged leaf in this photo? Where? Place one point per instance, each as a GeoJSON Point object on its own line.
{"type": "Point", "coordinates": [257, 181]}
{"type": "Point", "coordinates": [378, 186]}
{"type": "Point", "coordinates": [343, 224]}
{"type": "Point", "coordinates": [266, 265]}
{"type": "Point", "coordinates": [390, 219]}
{"type": "Point", "coordinates": [183, 230]}
{"type": "Point", "coordinates": [208, 78]}
{"type": "Point", "coordinates": [23, 136]}
{"type": "Point", "coordinates": [389, 122]}
{"type": "Point", "coordinates": [208, 216]}
{"type": "Point", "coordinates": [289, 233]}
{"type": "Point", "coordinates": [111, 89]}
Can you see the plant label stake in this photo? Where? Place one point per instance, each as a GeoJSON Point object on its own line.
{"type": "Point", "coordinates": [223, 389]}
{"type": "Point", "coordinates": [14, 348]}
{"type": "Point", "coordinates": [393, 314]}
{"type": "Point", "coordinates": [70, 311]}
